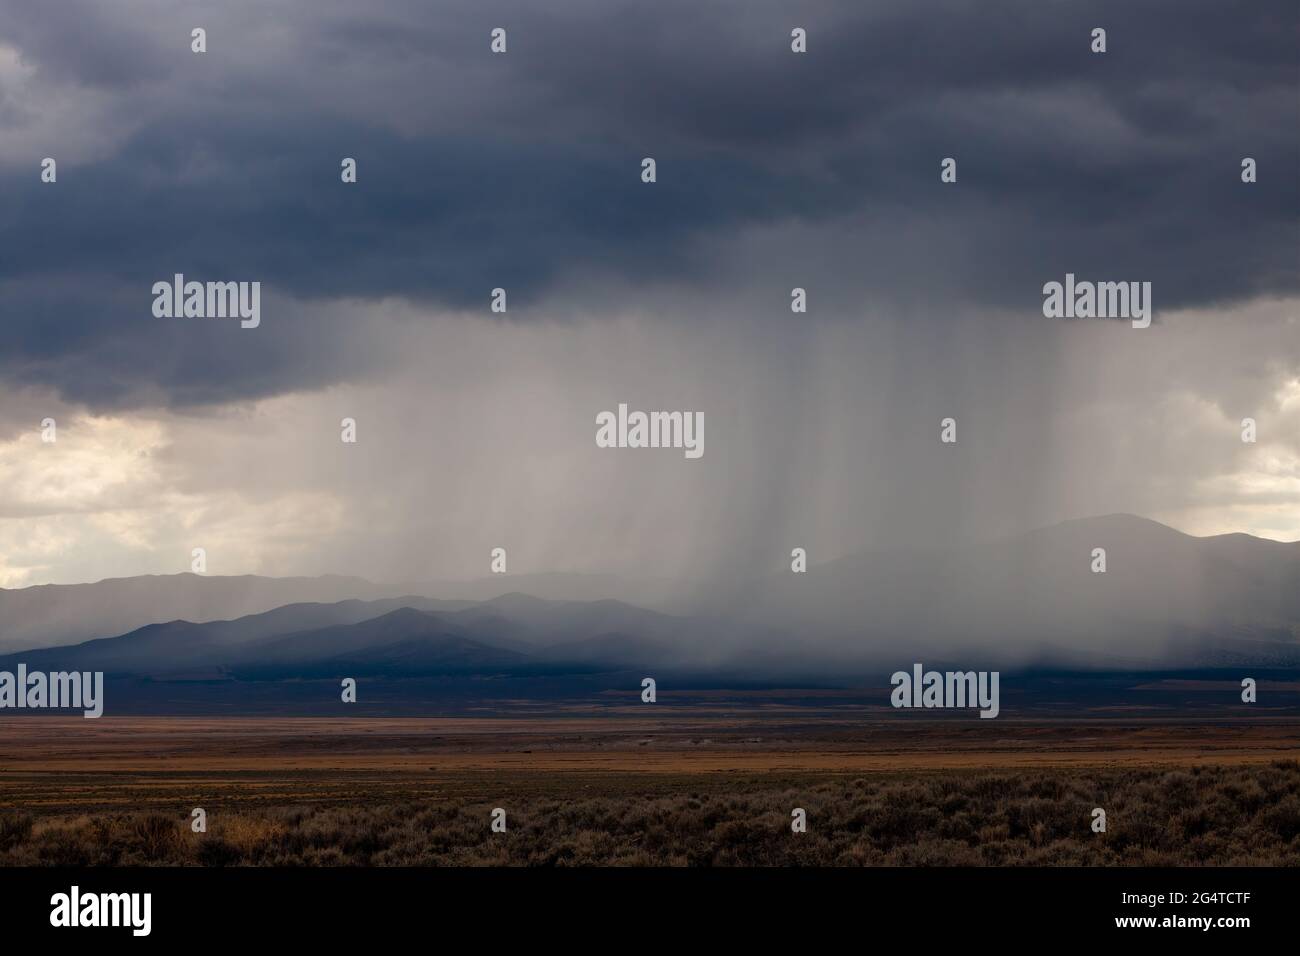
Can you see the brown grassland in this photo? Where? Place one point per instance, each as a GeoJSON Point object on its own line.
{"type": "Point", "coordinates": [702, 789]}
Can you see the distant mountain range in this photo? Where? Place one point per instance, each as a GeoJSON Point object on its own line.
{"type": "Point", "coordinates": [397, 637]}
{"type": "Point", "coordinates": [1165, 599]}
{"type": "Point", "coordinates": [51, 614]}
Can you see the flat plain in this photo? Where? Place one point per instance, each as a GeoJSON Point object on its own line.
{"type": "Point", "coordinates": [698, 786]}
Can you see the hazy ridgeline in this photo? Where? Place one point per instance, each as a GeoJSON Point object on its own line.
{"type": "Point", "coordinates": [1165, 599]}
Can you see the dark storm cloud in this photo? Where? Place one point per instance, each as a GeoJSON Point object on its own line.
{"type": "Point", "coordinates": [81, 42]}
{"type": "Point", "coordinates": [522, 170]}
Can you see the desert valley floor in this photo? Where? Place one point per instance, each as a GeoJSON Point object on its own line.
{"type": "Point", "coordinates": [702, 786]}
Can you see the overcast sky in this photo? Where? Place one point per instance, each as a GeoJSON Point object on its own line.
{"type": "Point", "coordinates": [522, 170]}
